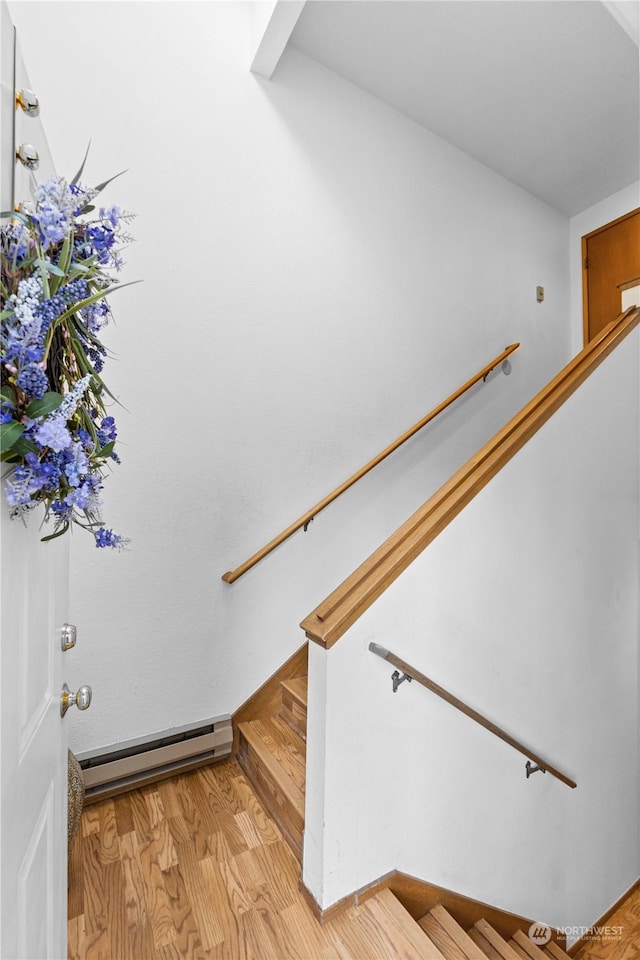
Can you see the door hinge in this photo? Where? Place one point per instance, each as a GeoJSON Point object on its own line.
{"type": "Point", "coordinates": [586, 263]}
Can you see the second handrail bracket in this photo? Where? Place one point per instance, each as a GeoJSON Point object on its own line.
{"type": "Point", "coordinates": [397, 679]}
{"type": "Point", "coordinates": [530, 768]}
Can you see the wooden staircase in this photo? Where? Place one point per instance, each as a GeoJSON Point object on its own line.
{"type": "Point", "coordinates": [272, 753]}
{"type": "Point", "coordinates": [382, 928]}
{"type": "Point", "coordinates": [481, 940]}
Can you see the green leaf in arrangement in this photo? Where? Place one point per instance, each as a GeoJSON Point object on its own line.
{"type": "Point", "coordinates": [50, 267]}
{"type": "Point", "coordinates": [79, 173]}
{"type": "Point", "coordinates": [81, 304]}
{"type": "Point", "coordinates": [43, 407]}
{"type": "Point", "coordinates": [84, 330]}
{"type": "Point", "coordinates": [8, 393]}
{"type": "Point", "coordinates": [59, 533]}
{"type": "Point", "coordinates": [100, 187]}
{"type": "Point", "coordinates": [63, 264]}
{"type": "Point", "coordinates": [9, 433]}
{"type": "Point", "coordinates": [22, 447]}
{"type": "Point", "coordinates": [106, 451]}
{"type": "Point", "coordinates": [44, 276]}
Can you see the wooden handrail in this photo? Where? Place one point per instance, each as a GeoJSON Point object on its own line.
{"type": "Point", "coordinates": [439, 691]}
{"type": "Point", "coordinates": [307, 517]}
{"type": "Point", "coordinates": [333, 617]}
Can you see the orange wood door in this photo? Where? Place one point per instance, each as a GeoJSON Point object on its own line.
{"type": "Point", "coordinates": [611, 256]}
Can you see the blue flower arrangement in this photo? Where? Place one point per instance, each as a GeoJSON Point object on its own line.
{"type": "Point", "coordinates": [58, 257]}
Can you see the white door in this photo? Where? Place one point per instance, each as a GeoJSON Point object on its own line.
{"type": "Point", "coordinates": [33, 743]}
{"type": "Point", "coordinates": [34, 592]}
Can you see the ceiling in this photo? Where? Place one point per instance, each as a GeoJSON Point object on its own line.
{"type": "Point", "coordinates": [545, 92]}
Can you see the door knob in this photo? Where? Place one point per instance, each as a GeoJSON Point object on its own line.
{"type": "Point", "coordinates": [68, 636]}
{"type": "Point", "coordinates": [81, 698]}
{"type": "Point", "coordinates": [28, 101]}
{"type": "Point", "coordinates": [28, 156]}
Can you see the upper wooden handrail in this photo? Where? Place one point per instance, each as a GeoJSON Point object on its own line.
{"type": "Point", "coordinates": [306, 518]}
{"type": "Point", "coordinates": [333, 617]}
{"type": "Point", "coordinates": [410, 671]}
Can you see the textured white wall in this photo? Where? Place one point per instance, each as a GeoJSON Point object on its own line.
{"type": "Point", "coordinates": [604, 212]}
{"type": "Point", "coordinates": [318, 272]}
{"type": "Point", "coordinates": [525, 607]}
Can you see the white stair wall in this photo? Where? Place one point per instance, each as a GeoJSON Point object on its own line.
{"type": "Point", "coordinates": [526, 608]}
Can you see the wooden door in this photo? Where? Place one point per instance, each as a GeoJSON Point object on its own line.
{"type": "Point", "coordinates": [611, 259]}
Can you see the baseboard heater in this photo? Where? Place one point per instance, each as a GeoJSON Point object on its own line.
{"type": "Point", "coordinates": [144, 760]}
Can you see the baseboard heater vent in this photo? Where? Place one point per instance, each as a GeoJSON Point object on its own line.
{"type": "Point", "coordinates": [145, 760]}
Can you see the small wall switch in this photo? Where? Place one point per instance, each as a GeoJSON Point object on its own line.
{"type": "Point", "coordinates": [539, 294]}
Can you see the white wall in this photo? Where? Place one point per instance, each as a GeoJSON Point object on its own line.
{"type": "Point", "coordinates": [525, 607]}
{"type": "Point", "coordinates": [319, 272]}
{"type": "Point", "coordinates": [597, 216]}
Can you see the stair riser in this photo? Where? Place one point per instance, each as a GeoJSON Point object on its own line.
{"type": "Point", "coordinates": [285, 815]}
{"type": "Point", "coordinates": [294, 713]}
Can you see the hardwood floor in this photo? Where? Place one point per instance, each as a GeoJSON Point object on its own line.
{"type": "Point", "coordinates": [627, 946]}
{"type": "Point", "coordinates": [193, 867]}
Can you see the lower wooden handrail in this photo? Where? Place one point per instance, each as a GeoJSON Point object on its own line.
{"type": "Point", "coordinates": [333, 617]}
{"type": "Point", "coordinates": [231, 575]}
{"type": "Point", "coordinates": [439, 691]}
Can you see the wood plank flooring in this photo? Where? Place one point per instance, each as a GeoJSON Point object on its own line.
{"type": "Point", "coordinates": [193, 867]}
{"type": "Point", "coordinates": [628, 946]}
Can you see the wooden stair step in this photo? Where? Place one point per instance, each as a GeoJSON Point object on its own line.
{"type": "Point", "coordinates": [397, 926]}
{"type": "Point", "coordinates": [490, 942]}
{"type": "Point", "coordinates": [288, 748]}
{"type": "Point", "coordinates": [450, 938]}
{"type": "Point", "coordinates": [484, 945]}
{"type": "Point", "coordinates": [527, 950]}
{"type": "Point", "coordinates": [553, 950]}
{"type": "Point", "coordinates": [297, 689]}
{"type": "Point", "coordinates": [293, 709]}
{"type": "Point", "coordinates": [518, 949]}
{"type": "Point", "coordinates": [273, 758]}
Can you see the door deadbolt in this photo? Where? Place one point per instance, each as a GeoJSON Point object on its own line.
{"type": "Point", "coordinates": [81, 698]}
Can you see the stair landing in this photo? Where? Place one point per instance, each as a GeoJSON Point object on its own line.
{"type": "Point", "coordinates": [228, 887]}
